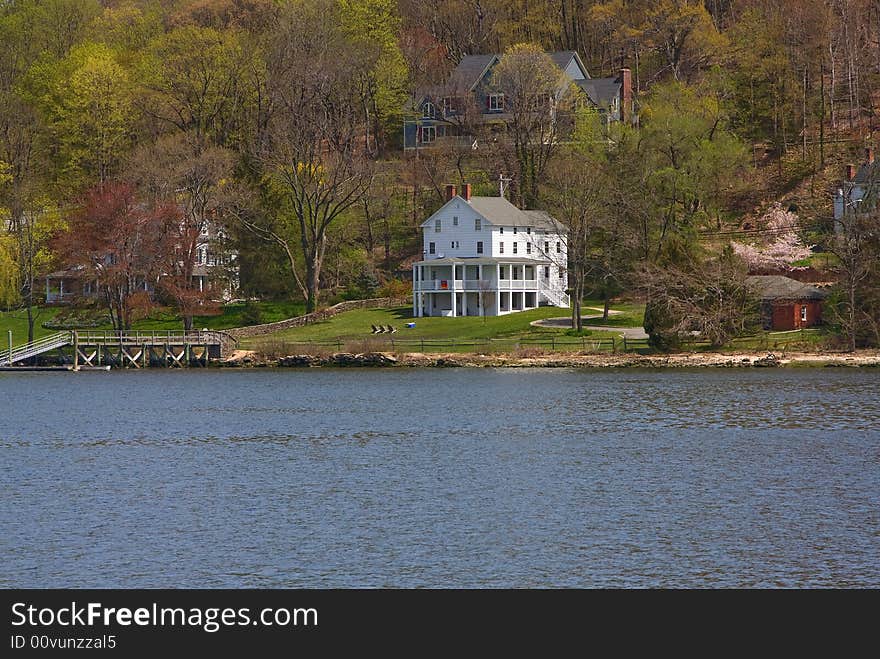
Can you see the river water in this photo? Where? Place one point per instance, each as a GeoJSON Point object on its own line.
{"type": "Point", "coordinates": [440, 477]}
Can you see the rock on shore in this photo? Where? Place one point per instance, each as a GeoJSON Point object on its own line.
{"type": "Point", "coordinates": [566, 360]}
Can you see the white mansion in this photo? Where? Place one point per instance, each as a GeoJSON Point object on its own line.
{"type": "Point", "coordinates": [485, 257]}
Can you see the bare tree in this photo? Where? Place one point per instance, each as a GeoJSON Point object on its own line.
{"type": "Point", "coordinates": [314, 163]}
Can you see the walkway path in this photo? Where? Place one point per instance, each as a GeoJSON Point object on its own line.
{"type": "Point", "coordinates": [628, 332]}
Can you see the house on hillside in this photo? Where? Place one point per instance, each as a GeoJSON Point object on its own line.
{"type": "Point", "coordinates": [470, 99]}
{"type": "Point", "coordinates": [483, 256]}
{"type": "Point", "coordinates": [215, 272]}
{"type": "Point", "coordinates": [787, 304]}
{"type": "Point", "coordinates": [860, 186]}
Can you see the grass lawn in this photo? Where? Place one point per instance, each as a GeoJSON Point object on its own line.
{"type": "Point", "coordinates": [234, 315]}
{"type": "Point", "coordinates": [355, 326]}
{"type": "Point", "coordinates": [17, 322]}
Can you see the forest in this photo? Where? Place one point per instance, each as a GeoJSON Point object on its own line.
{"type": "Point", "coordinates": [129, 126]}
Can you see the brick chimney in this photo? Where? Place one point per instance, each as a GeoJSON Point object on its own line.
{"type": "Point", "coordinates": [466, 191]}
{"type": "Point", "coordinates": [626, 95]}
{"type": "Point", "coordinates": [850, 172]}
{"type": "Point", "coordinates": [451, 191]}
{"type": "Point", "coordinates": [869, 156]}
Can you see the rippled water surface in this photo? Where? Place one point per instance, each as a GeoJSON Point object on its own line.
{"type": "Point", "coordinates": [456, 477]}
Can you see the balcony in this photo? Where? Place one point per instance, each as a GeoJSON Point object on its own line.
{"type": "Point", "coordinates": [444, 285]}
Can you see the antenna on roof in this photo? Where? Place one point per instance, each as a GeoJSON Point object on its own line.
{"type": "Point", "coordinates": [501, 181]}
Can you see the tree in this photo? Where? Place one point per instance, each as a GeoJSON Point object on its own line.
{"type": "Point", "coordinates": [533, 92]}
{"type": "Point", "coordinates": [87, 105]}
{"type": "Point", "coordinates": [709, 297]}
{"type": "Point", "coordinates": [179, 171]}
{"type": "Point", "coordinates": [855, 303]}
{"type": "Point", "coordinates": [122, 244]}
{"type": "Point", "coordinates": [315, 167]}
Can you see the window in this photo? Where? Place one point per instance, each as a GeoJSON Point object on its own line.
{"type": "Point", "coordinates": [502, 272]}
{"type": "Point", "coordinates": [514, 271]}
{"type": "Point", "coordinates": [804, 314]}
{"type": "Point", "coordinates": [438, 225]}
{"type": "Point", "coordinates": [432, 248]}
{"type": "Point", "coordinates": [514, 229]}
{"type": "Point", "coordinates": [455, 244]}
{"type": "Point", "coordinates": [558, 247]}
{"type": "Point", "coordinates": [450, 106]}
{"type": "Point", "coordinates": [528, 229]}
{"type": "Point", "coordinates": [501, 248]}
{"type": "Point", "coordinates": [478, 224]}
{"type": "Point", "coordinates": [495, 102]}
{"type": "Point", "coordinates": [528, 248]}
{"type": "Point", "coordinates": [455, 221]}
{"type": "Point", "coordinates": [546, 272]}
{"type": "Point", "coordinates": [428, 110]}
{"type": "Point", "coordinates": [429, 134]}
{"type": "Point", "coordinates": [479, 247]}
{"type": "Point", "coordinates": [546, 247]}
{"type": "Point", "coordinates": [500, 229]}
{"type": "Point", "coordinates": [515, 247]}
{"type": "Point", "coordinates": [562, 273]}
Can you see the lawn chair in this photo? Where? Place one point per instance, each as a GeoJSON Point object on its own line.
{"type": "Point", "coordinates": [391, 329]}
{"type": "Point", "coordinates": [376, 330]}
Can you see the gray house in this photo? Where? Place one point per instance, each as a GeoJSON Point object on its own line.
{"type": "Point", "coordinates": [469, 98]}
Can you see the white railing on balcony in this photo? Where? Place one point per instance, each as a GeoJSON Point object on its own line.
{"type": "Point", "coordinates": [518, 284]}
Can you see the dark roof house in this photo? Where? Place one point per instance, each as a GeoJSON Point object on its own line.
{"type": "Point", "coordinates": [470, 93]}
{"type": "Point", "coordinates": [787, 304]}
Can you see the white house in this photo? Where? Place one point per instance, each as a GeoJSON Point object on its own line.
{"type": "Point", "coordinates": [483, 256]}
{"type": "Point", "coordinates": [860, 185]}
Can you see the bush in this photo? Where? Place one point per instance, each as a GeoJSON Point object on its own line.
{"type": "Point", "coordinates": [395, 288]}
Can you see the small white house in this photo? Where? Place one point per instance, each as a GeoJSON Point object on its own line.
{"type": "Point", "coordinates": [859, 185]}
{"type": "Point", "coordinates": [483, 256]}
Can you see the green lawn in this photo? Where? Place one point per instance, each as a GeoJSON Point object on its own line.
{"type": "Point", "coordinates": [17, 322]}
{"type": "Point", "coordinates": [234, 315]}
{"type": "Point", "coordinates": [354, 327]}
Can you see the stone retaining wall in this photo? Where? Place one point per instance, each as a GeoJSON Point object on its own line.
{"type": "Point", "coordinates": [315, 316]}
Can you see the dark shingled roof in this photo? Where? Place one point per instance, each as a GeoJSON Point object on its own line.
{"type": "Point", "coordinates": [602, 91]}
{"type": "Point", "coordinates": [777, 287]}
{"type": "Point", "coordinates": [469, 70]}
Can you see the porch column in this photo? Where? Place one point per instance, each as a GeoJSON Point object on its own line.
{"type": "Point", "coordinates": [497, 289]}
{"type": "Point", "coordinates": [415, 289]}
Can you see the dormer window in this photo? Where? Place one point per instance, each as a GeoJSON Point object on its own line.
{"type": "Point", "coordinates": [495, 102]}
{"type": "Point", "coordinates": [437, 225]}
{"type": "Point", "coordinates": [429, 110]}
{"type": "Point", "coordinates": [478, 224]}
{"type": "Point", "coordinates": [450, 106]}
{"type": "Point", "coordinates": [455, 220]}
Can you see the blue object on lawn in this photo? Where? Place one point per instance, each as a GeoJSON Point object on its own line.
{"type": "Point", "coordinates": [410, 325]}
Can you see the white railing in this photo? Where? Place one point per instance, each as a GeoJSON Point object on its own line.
{"type": "Point", "coordinates": [556, 297]}
{"type": "Point", "coordinates": [518, 284]}
{"type": "Point", "coordinates": [35, 348]}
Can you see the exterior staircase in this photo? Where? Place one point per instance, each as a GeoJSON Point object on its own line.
{"type": "Point", "coordinates": [34, 348]}
{"type": "Point", "coordinates": [556, 298]}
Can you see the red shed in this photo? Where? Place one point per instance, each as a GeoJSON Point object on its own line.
{"type": "Point", "coordinates": [788, 304]}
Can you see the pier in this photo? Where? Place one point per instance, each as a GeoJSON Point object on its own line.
{"type": "Point", "coordinates": [88, 349]}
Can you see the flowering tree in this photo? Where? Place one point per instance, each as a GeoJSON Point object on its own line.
{"type": "Point", "coordinates": [783, 247]}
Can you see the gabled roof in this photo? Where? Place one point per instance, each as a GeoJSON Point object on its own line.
{"type": "Point", "coordinates": [470, 71]}
{"type": "Point", "coordinates": [868, 173]}
{"type": "Point", "coordinates": [498, 211]}
{"type": "Point", "coordinates": [777, 287]}
{"type": "Point", "coordinates": [601, 91]}
{"type": "Point", "coordinates": [563, 58]}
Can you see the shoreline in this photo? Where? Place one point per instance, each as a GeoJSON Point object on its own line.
{"type": "Point", "coordinates": [742, 359]}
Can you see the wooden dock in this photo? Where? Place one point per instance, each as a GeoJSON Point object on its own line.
{"type": "Point", "coordinates": [88, 348]}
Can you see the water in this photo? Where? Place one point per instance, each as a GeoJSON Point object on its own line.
{"type": "Point", "coordinates": [443, 477]}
